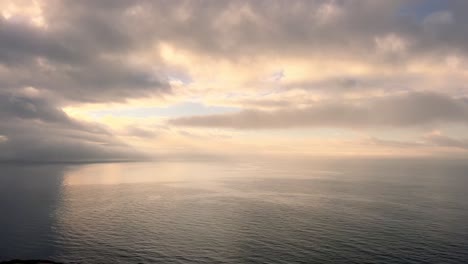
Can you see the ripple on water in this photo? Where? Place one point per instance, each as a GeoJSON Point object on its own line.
{"type": "Point", "coordinates": [253, 220]}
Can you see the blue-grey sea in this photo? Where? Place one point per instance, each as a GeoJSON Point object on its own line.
{"type": "Point", "coordinates": [225, 211]}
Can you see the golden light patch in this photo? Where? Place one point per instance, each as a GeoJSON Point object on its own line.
{"type": "Point", "coordinates": [30, 10]}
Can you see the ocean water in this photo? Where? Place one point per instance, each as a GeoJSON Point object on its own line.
{"type": "Point", "coordinates": [260, 211]}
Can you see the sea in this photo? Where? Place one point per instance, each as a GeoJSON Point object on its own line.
{"type": "Point", "coordinates": [266, 210]}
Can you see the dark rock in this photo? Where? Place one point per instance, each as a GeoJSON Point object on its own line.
{"type": "Point", "coordinates": [29, 261]}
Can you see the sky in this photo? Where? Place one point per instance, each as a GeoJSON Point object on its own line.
{"type": "Point", "coordinates": [122, 80]}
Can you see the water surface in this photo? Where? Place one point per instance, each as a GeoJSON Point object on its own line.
{"type": "Point", "coordinates": [266, 211]}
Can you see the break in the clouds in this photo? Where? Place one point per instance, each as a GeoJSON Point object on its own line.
{"type": "Point", "coordinates": [394, 65]}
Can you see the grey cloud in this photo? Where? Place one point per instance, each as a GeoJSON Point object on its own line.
{"type": "Point", "coordinates": [20, 107]}
{"type": "Point", "coordinates": [392, 143]}
{"type": "Point", "coordinates": [298, 27]}
{"type": "Point", "coordinates": [20, 42]}
{"type": "Point", "coordinates": [439, 18]}
{"type": "Point", "coordinates": [82, 56]}
{"type": "Point", "coordinates": [56, 149]}
{"type": "Point", "coordinates": [34, 128]}
{"type": "Point", "coordinates": [239, 28]}
{"type": "Point", "coordinates": [24, 107]}
{"type": "Point", "coordinates": [141, 132]}
{"type": "Point", "coordinates": [411, 109]}
{"type": "Point", "coordinates": [446, 141]}
{"type": "Point", "coordinates": [349, 83]}
{"type": "Point", "coordinates": [430, 140]}
{"type": "Point", "coordinates": [80, 62]}
{"type": "Point", "coordinates": [265, 103]}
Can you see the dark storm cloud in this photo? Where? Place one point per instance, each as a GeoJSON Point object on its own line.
{"type": "Point", "coordinates": [412, 109]}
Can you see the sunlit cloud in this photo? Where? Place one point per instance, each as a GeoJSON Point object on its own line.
{"type": "Point", "coordinates": [124, 79]}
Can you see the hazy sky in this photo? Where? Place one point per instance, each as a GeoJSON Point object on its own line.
{"type": "Point", "coordinates": [118, 79]}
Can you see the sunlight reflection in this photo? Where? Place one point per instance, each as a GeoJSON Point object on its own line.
{"type": "Point", "coordinates": [119, 173]}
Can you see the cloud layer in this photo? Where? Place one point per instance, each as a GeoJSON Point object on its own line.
{"type": "Point", "coordinates": [32, 128]}
{"type": "Point", "coordinates": [364, 64]}
{"type": "Point", "coordinates": [412, 109]}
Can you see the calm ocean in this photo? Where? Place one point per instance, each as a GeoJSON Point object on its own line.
{"type": "Point", "coordinates": [265, 211]}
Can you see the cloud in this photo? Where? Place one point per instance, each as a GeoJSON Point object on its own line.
{"type": "Point", "coordinates": [78, 53]}
{"type": "Point", "coordinates": [439, 18]}
{"type": "Point", "coordinates": [231, 29]}
{"type": "Point", "coordinates": [133, 131]}
{"type": "Point", "coordinates": [33, 128]}
{"type": "Point", "coordinates": [86, 62]}
{"type": "Point", "coordinates": [328, 63]}
{"type": "Point", "coordinates": [411, 109]}
{"type": "Point", "coordinates": [109, 51]}
{"type": "Point", "coordinates": [438, 139]}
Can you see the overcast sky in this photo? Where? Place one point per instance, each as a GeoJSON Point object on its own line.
{"type": "Point", "coordinates": [120, 79]}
